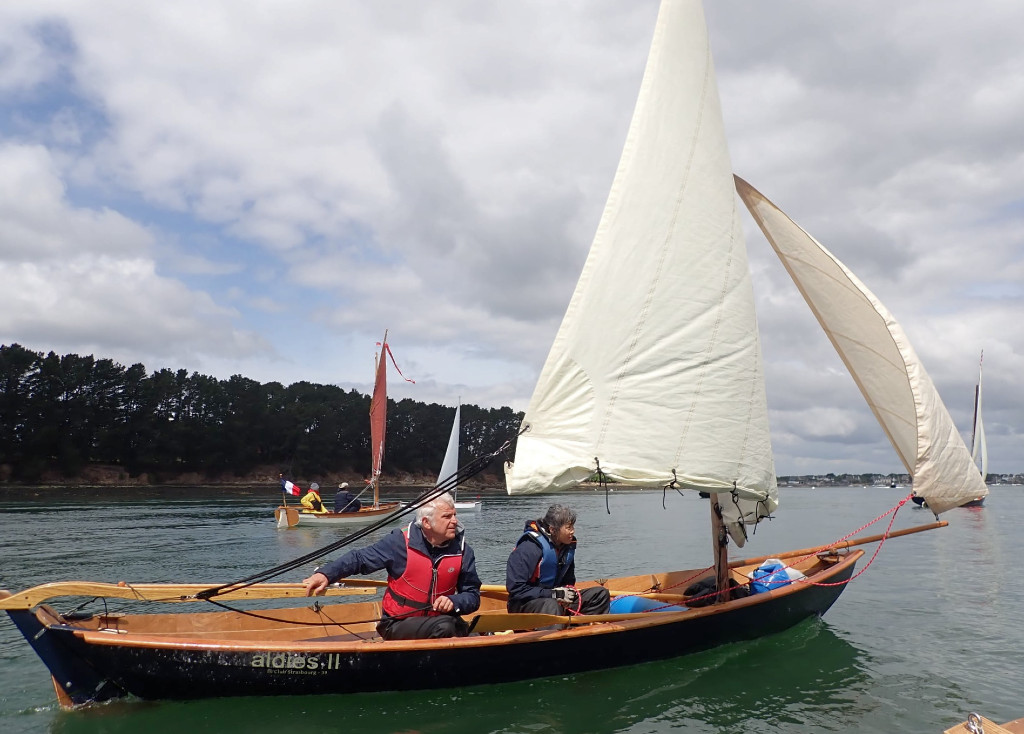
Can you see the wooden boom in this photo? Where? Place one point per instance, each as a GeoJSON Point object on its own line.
{"type": "Point", "coordinates": [841, 545]}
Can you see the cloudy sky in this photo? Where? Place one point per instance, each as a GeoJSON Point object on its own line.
{"type": "Point", "coordinates": [261, 187]}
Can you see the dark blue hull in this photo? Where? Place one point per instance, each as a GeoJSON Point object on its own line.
{"type": "Point", "coordinates": [92, 666]}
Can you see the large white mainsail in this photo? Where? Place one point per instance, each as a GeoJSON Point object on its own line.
{"type": "Point", "coordinates": [656, 372]}
{"type": "Point", "coordinates": [880, 359]}
{"type": "Point", "coordinates": [979, 449]}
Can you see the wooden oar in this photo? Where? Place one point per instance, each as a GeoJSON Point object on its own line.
{"type": "Point", "coordinates": [158, 592]}
{"type": "Point", "coordinates": [839, 546]}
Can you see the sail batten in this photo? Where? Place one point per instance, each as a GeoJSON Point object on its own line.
{"type": "Point", "coordinates": [879, 357]}
{"type": "Point", "coordinates": [657, 363]}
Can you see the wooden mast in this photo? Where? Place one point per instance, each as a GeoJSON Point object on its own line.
{"type": "Point", "coordinates": [720, 550]}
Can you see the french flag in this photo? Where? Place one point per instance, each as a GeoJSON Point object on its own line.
{"type": "Point", "coordinates": [290, 488]}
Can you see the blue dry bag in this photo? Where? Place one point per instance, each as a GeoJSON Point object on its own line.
{"type": "Point", "coordinates": [769, 575]}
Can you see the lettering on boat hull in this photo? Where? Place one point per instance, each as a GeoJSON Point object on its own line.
{"type": "Point", "coordinates": [294, 662]}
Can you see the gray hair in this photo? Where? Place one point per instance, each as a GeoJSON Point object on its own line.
{"type": "Point", "coordinates": [428, 509]}
{"type": "Point", "coordinates": [558, 516]}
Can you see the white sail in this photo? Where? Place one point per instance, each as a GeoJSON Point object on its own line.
{"type": "Point", "coordinates": [880, 359]}
{"type": "Point", "coordinates": [655, 372]}
{"type": "Point", "coordinates": [450, 465]}
{"type": "Point", "coordinates": [979, 449]}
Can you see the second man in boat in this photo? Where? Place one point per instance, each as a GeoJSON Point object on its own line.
{"type": "Point", "coordinates": [432, 576]}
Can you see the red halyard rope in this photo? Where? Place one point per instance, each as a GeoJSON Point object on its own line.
{"type": "Point", "coordinates": [885, 536]}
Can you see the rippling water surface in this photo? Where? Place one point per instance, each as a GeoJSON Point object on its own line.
{"type": "Point", "coordinates": [930, 631]}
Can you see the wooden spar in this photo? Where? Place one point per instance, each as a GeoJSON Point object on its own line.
{"type": "Point", "coordinates": [720, 550]}
{"type": "Point", "coordinates": [159, 592]}
{"type": "Point", "coordinates": [840, 546]}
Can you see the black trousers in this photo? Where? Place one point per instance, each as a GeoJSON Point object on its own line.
{"type": "Point", "coordinates": [422, 628]}
{"type": "Point", "coordinates": [594, 600]}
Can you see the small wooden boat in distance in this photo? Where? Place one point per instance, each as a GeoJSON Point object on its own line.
{"type": "Point", "coordinates": [288, 516]}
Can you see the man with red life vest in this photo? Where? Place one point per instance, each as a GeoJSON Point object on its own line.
{"type": "Point", "coordinates": [541, 572]}
{"type": "Point", "coordinates": [432, 575]}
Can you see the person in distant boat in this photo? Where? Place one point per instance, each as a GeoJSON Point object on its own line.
{"type": "Point", "coordinates": [541, 573]}
{"type": "Point", "coordinates": [432, 576]}
{"type": "Point", "coordinates": [311, 500]}
{"type": "Point", "coordinates": [345, 501]}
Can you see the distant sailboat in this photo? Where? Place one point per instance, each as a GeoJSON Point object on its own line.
{"type": "Point", "coordinates": [979, 449]}
{"type": "Point", "coordinates": [450, 465]}
{"type": "Point", "coordinates": [289, 516]}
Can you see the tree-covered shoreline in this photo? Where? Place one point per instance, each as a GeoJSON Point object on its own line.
{"type": "Point", "coordinates": [71, 419]}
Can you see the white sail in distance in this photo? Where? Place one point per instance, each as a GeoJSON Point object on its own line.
{"type": "Point", "coordinates": [979, 448]}
{"type": "Point", "coordinates": [880, 359]}
{"type": "Point", "coordinates": [450, 465]}
{"type": "Point", "coordinates": [655, 373]}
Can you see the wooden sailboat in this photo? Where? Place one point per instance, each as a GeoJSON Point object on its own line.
{"type": "Point", "coordinates": [450, 465]}
{"type": "Point", "coordinates": [660, 386]}
{"type": "Point", "coordinates": [979, 448]}
{"type": "Point", "coordinates": [288, 516]}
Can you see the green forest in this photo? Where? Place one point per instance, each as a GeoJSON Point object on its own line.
{"type": "Point", "coordinates": [60, 415]}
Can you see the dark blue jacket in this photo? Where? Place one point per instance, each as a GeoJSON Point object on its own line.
{"type": "Point", "coordinates": [389, 553]}
{"type": "Point", "coordinates": [523, 562]}
{"type": "Point", "coordinates": [345, 501]}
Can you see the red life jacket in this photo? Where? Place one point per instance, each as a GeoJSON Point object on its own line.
{"type": "Point", "coordinates": [413, 593]}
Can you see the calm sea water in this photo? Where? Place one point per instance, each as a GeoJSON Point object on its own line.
{"type": "Point", "coordinates": [928, 633]}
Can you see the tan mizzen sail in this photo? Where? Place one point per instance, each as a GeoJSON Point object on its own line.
{"type": "Point", "coordinates": [880, 359]}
